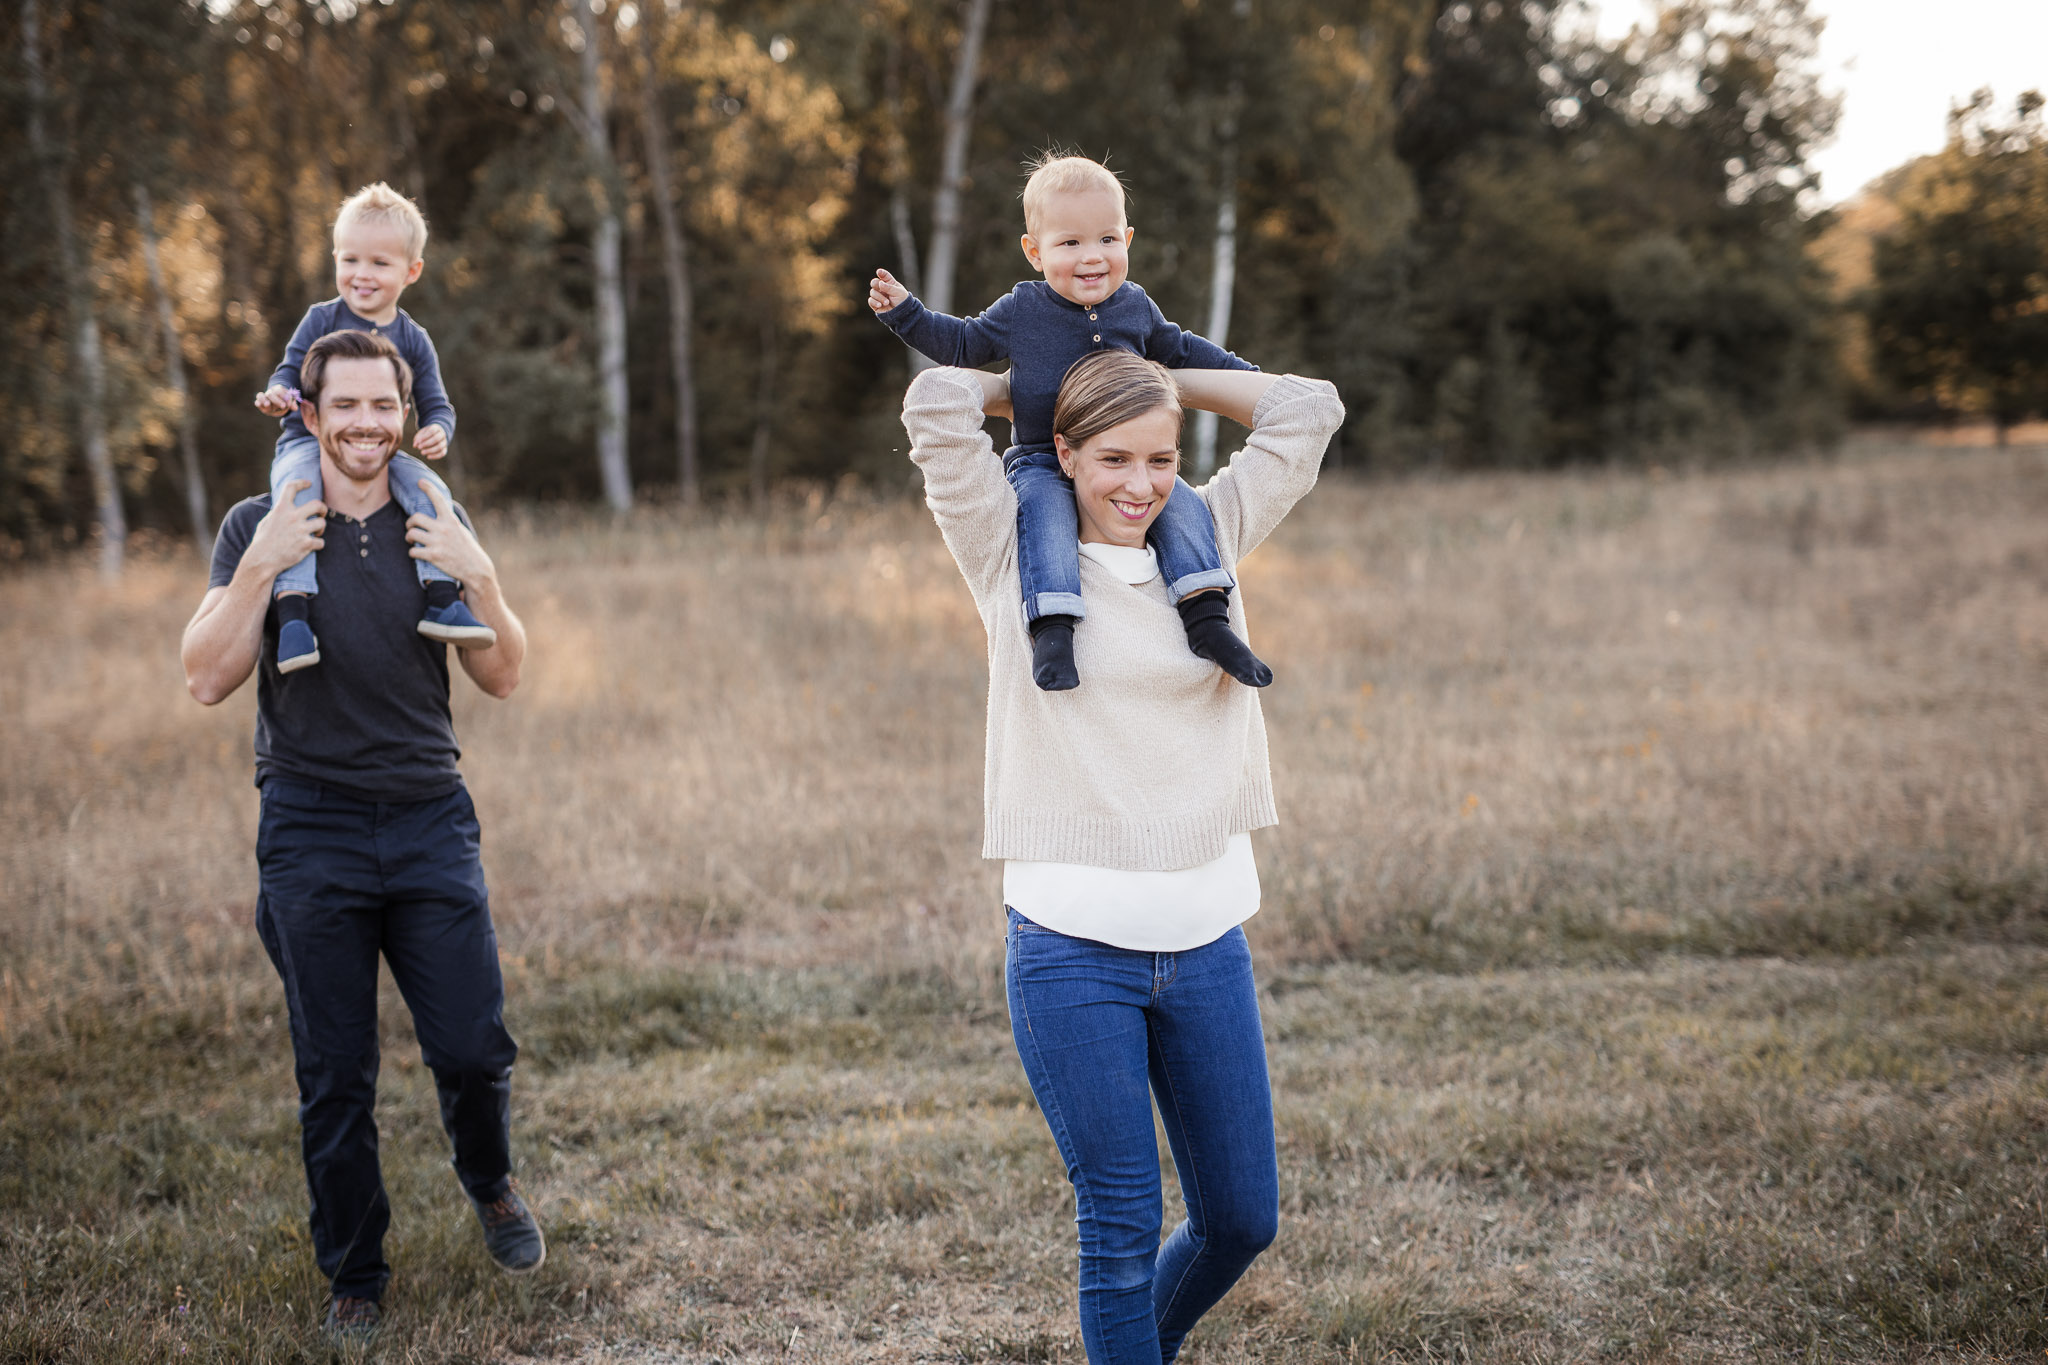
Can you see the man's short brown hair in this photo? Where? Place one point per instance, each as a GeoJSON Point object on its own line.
{"type": "Point", "coordinates": [351, 343]}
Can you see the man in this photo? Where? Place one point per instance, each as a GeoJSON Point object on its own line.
{"type": "Point", "coordinates": [368, 842]}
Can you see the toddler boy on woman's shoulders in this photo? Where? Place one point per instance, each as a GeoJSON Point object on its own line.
{"type": "Point", "coordinates": [1076, 236]}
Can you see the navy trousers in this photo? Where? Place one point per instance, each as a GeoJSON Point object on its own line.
{"type": "Point", "coordinates": [343, 880]}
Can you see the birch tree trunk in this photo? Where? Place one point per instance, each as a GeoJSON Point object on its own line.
{"type": "Point", "coordinates": [608, 284]}
{"type": "Point", "coordinates": [89, 387]}
{"type": "Point", "coordinates": [953, 166]}
{"type": "Point", "coordinates": [675, 263]}
{"type": "Point", "coordinates": [899, 170]}
{"type": "Point", "coordinates": [239, 274]}
{"type": "Point", "coordinates": [395, 92]}
{"type": "Point", "coordinates": [764, 413]}
{"type": "Point", "coordinates": [408, 137]}
{"type": "Point", "coordinates": [312, 267]}
{"type": "Point", "coordinates": [1223, 263]}
{"type": "Point", "coordinates": [174, 373]}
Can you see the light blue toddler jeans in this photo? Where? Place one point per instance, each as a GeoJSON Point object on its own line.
{"type": "Point", "coordinates": [1048, 538]}
{"type": "Point", "coordinates": [301, 460]}
{"type": "Point", "coordinates": [1103, 1032]}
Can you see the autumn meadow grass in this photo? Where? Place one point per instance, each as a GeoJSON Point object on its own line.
{"type": "Point", "coordinates": [1655, 950]}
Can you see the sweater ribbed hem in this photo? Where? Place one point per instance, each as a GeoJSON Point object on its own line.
{"type": "Point", "coordinates": [1167, 844]}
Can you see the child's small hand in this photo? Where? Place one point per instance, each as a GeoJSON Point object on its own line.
{"type": "Point", "coordinates": [884, 293]}
{"type": "Point", "coordinates": [277, 400]}
{"type": "Point", "coordinates": [430, 441]}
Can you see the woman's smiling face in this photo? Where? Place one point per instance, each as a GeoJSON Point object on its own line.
{"type": "Point", "coordinates": [1123, 476]}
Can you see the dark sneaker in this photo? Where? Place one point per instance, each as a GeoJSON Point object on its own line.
{"type": "Point", "coordinates": [510, 1233]}
{"type": "Point", "coordinates": [350, 1320]}
{"type": "Point", "coordinates": [296, 647]}
{"type": "Point", "coordinates": [455, 625]}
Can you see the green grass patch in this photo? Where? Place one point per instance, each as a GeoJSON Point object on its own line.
{"type": "Point", "coordinates": [1839, 1158]}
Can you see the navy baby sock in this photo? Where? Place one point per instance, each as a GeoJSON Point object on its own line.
{"type": "Point", "coordinates": [1052, 654]}
{"type": "Point", "coordinates": [1206, 616]}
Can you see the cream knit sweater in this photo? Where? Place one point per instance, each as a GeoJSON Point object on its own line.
{"type": "Point", "coordinates": [1159, 756]}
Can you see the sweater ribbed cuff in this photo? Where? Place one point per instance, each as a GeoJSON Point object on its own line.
{"type": "Point", "coordinates": [1279, 391]}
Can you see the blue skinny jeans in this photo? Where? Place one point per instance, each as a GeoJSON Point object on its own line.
{"type": "Point", "coordinates": [1104, 1031]}
{"type": "Point", "coordinates": [1183, 535]}
{"type": "Point", "coordinates": [301, 460]}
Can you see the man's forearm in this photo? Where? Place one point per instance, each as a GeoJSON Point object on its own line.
{"type": "Point", "coordinates": [495, 670]}
{"type": "Point", "coordinates": [225, 639]}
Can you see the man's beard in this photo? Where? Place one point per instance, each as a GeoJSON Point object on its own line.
{"type": "Point", "coordinates": [350, 463]}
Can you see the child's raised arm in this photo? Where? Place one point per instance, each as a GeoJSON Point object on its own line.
{"type": "Point", "coordinates": [966, 342]}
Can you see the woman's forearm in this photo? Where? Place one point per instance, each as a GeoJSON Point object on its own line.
{"type": "Point", "coordinates": [1228, 393]}
{"type": "Point", "coordinates": [995, 393]}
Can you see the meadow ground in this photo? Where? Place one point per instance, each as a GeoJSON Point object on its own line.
{"type": "Point", "coordinates": [1655, 953]}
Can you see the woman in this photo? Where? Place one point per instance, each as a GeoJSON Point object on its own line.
{"type": "Point", "coordinates": [1123, 811]}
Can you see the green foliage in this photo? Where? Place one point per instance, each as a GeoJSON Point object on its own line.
{"type": "Point", "coordinates": [1612, 262]}
{"type": "Point", "coordinates": [1958, 308]}
{"type": "Point", "coordinates": [1505, 243]}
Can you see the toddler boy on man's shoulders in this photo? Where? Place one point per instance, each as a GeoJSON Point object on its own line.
{"type": "Point", "coordinates": [380, 240]}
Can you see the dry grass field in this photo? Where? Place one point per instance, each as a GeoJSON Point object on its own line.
{"type": "Point", "coordinates": [1655, 950]}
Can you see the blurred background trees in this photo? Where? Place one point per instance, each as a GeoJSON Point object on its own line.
{"type": "Point", "coordinates": [1958, 301]}
{"type": "Point", "coordinates": [652, 222]}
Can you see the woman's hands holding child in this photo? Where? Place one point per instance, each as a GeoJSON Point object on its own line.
{"type": "Point", "coordinates": [884, 293]}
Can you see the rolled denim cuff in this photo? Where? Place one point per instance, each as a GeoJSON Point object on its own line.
{"type": "Point", "coordinates": [1197, 582]}
{"type": "Point", "coordinates": [1053, 604]}
{"type": "Point", "coordinates": [300, 577]}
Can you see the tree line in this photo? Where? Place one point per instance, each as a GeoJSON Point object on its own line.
{"type": "Point", "coordinates": [1508, 243]}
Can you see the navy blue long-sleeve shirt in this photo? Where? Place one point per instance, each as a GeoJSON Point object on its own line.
{"type": "Point", "coordinates": [1042, 335]}
{"type": "Point", "coordinates": [429, 397]}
